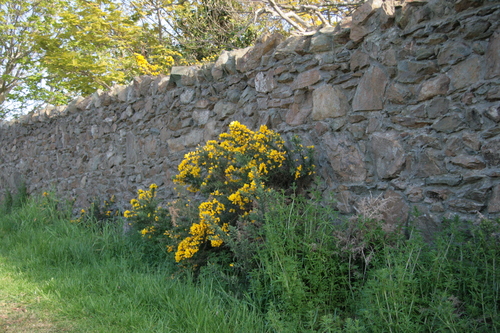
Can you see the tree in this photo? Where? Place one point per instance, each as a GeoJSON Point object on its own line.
{"type": "Point", "coordinates": [306, 16]}
{"type": "Point", "coordinates": [199, 29]}
{"type": "Point", "coordinates": [19, 20]}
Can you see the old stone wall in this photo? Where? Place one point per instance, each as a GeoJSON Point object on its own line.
{"type": "Point", "coordinates": [401, 100]}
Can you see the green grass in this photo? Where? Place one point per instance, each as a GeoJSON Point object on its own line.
{"type": "Point", "coordinates": [82, 280]}
{"type": "Point", "coordinates": [310, 271]}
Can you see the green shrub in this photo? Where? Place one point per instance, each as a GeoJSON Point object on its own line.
{"type": "Point", "coordinates": [228, 173]}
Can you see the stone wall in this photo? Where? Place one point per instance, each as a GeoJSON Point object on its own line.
{"type": "Point", "coordinates": [401, 100]}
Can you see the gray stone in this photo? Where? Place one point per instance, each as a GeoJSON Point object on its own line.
{"type": "Point", "coordinates": [448, 124]}
{"type": "Point", "coordinates": [465, 206]}
{"type": "Point", "coordinates": [469, 162]}
{"type": "Point", "coordinates": [396, 211]}
{"type": "Point", "coordinates": [450, 180]}
{"type": "Point", "coordinates": [224, 109]}
{"type": "Point", "coordinates": [398, 93]}
{"type": "Point", "coordinates": [453, 52]}
{"type": "Point", "coordinates": [494, 203]}
{"type": "Point", "coordinates": [492, 56]}
{"type": "Point", "coordinates": [434, 87]}
{"type": "Point", "coordinates": [345, 158]}
{"type": "Point", "coordinates": [370, 92]}
{"type": "Point", "coordinates": [183, 75]}
{"type": "Point", "coordinates": [415, 71]}
{"type": "Point", "coordinates": [493, 112]}
{"type": "Point", "coordinates": [321, 42]}
{"type": "Point", "coordinates": [329, 102]}
{"type": "Point", "coordinates": [201, 116]}
{"type": "Point", "coordinates": [437, 107]}
{"type": "Point", "coordinates": [292, 45]}
{"type": "Point", "coordinates": [306, 79]}
{"type": "Point", "coordinates": [466, 73]}
{"type": "Point", "coordinates": [359, 60]}
{"type": "Point", "coordinates": [389, 156]}
{"type": "Point", "coordinates": [265, 82]}
{"type": "Point", "coordinates": [461, 5]}
{"type": "Point", "coordinates": [253, 57]}
{"type": "Point", "coordinates": [491, 152]}
{"type": "Point", "coordinates": [187, 96]}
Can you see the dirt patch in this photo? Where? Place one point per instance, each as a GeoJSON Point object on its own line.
{"type": "Point", "coordinates": [16, 317]}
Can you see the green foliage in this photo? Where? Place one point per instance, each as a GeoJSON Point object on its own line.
{"type": "Point", "coordinates": [299, 276]}
{"type": "Point", "coordinates": [230, 172]}
{"type": "Point", "coordinates": [93, 280]}
{"type": "Point", "coordinates": [99, 214]}
{"type": "Point", "coordinates": [12, 202]}
{"type": "Point", "coordinates": [299, 267]}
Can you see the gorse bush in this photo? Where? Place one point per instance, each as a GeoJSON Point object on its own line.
{"type": "Point", "coordinates": [229, 172]}
{"type": "Point", "coordinates": [147, 216]}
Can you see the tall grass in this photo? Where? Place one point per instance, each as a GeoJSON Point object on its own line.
{"type": "Point", "coordinates": [299, 268]}
{"type": "Point", "coordinates": [100, 281]}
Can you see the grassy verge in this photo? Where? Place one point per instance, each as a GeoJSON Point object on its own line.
{"type": "Point", "coordinates": [61, 277]}
{"type": "Point", "coordinates": [297, 268]}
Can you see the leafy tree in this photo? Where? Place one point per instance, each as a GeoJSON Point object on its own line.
{"type": "Point", "coordinates": [199, 29]}
{"type": "Point", "coordinates": [19, 21]}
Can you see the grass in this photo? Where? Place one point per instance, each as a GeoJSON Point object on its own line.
{"type": "Point", "coordinates": [60, 277]}
{"type": "Point", "coordinates": [310, 271]}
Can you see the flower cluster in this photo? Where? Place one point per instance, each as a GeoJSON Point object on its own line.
{"type": "Point", "coordinates": [161, 60]}
{"type": "Point", "coordinates": [230, 171]}
{"type": "Point", "coordinates": [145, 67]}
{"type": "Point", "coordinates": [146, 215]}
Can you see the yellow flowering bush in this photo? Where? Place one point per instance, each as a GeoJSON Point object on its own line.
{"type": "Point", "coordinates": [229, 172]}
{"type": "Point", "coordinates": [160, 61]}
{"type": "Point", "coordinates": [146, 216]}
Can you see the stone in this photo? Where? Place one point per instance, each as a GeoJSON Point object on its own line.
{"type": "Point", "coordinates": [201, 116]}
{"type": "Point", "coordinates": [253, 57]}
{"type": "Point", "coordinates": [321, 42]}
{"type": "Point", "coordinates": [476, 28]}
{"type": "Point", "coordinates": [434, 87]}
{"type": "Point", "coordinates": [469, 162]}
{"type": "Point", "coordinates": [448, 124]}
{"type": "Point", "coordinates": [329, 102]}
{"type": "Point", "coordinates": [493, 112]}
{"type": "Point", "coordinates": [410, 71]}
{"type": "Point", "coordinates": [389, 155]}
{"type": "Point", "coordinates": [491, 152]}
{"type": "Point", "coordinates": [306, 79]}
{"type": "Point", "coordinates": [398, 93]}
{"type": "Point", "coordinates": [428, 163]}
{"type": "Point", "coordinates": [452, 53]}
{"type": "Point", "coordinates": [437, 107]}
{"type": "Point", "coordinates": [218, 68]}
{"type": "Point", "coordinates": [450, 180]}
{"type": "Point", "coordinates": [396, 210]}
{"type": "Point", "coordinates": [265, 82]}
{"type": "Point", "coordinates": [344, 157]}
{"type": "Point", "coordinates": [359, 60]}
{"type": "Point", "coordinates": [461, 5]}
{"type": "Point", "coordinates": [187, 96]}
{"type": "Point", "coordinates": [369, 94]}
{"type": "Point", "coordinates": [492, 56]}
{"type": "Point", "coordinates": [493, 94]}
{"type": "Point", "coordinates": [466, 73]}
{"type": "Point", "coordinates": [224, 109]}
{"type": "Point", "coordinates": [465, 206]}
{"type": "Point", "coordinates": [292, 45]}
{"type": "Point", "coordinates": [183, 75]}
{"type": "Point", "coordinates": [494, 203]}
